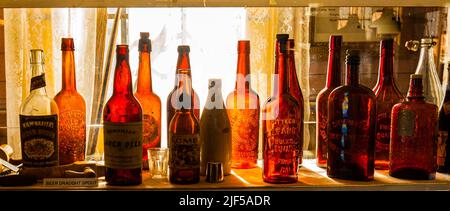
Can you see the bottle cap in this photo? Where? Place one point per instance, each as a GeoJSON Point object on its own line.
{"type": "Point", "coordinates": [36, 56]}
{"type": "Point", "coordinates": [427, 41]}
{"type": "Point", "coordinates": [145, 43]}
{"type": "Point", "coordinates": [353, 57]}
{"type": "Point", "coordinates": [415, 76]}
{"type": "Point", "coordinates": [244, 46]}
{"type": "Point", "coordinates": [122, 49]}
{"type": "Point", "coordinates": [67, 44]}
{"type": "Point", "coordinates": [184, 49]}
{"type": "Point", "coordinates": [282, 37]}
{"type": "Point", "coordinates": [214, 172]}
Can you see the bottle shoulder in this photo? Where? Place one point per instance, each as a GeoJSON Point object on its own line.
{"type": "Point", "coordinates": [38, 104]}
{"type": "Point", "coordinates": [184, 123]}
{"type": "Point", "coordinates": [74, 99]}
{"type": "Point", "coordinates": [358, 90]}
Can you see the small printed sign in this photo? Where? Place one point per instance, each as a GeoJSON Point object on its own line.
{"type": "Point", "coordinates": [71, 182]}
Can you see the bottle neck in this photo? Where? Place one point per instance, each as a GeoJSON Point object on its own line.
{"type": "Point", "coordinates": [37, 85]}
{"type": "Point", "coordinates": [281, 82]}
{"type": "Point", "coordinates": [144, 83]}
{"type": "Point", "coordinates": [426, 60]}
{"type": "Point", "coordinates": [334, 68]}
{"type": "Point", "coordinates": [122, 76]}
{"type": "Point", "coordinates": [243, 71]}
{"type": "Point", "coordinates": [386, 67]}
{"type": "Point", "coordinates": [415, 92]}
{"type": "Point", "coordinates": [352, 75]}
{"type": "Point", "coordinates": [68, 71]}
{"type": "Point", "coordinates": [183, 67]}
{"type": "Point", "coordinates": [185, 93]}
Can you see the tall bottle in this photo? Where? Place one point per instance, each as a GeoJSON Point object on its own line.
{"type": "Point", "coordinates": [122, 131]}
{"type": "Point", "coordinates": [281, 124]}
{"type": "Point", "coordinates": [387, 95]}
{"type": "Point", "coordinates": [183, 70]}
{"type": "Point", "coordinates": [413, 135]}
{"type": "Point", "coordinates": [150, 102]}
{"type": "Point", "coordinates": [184, 136]}
{"type": "Point", "coordinates": [294, 87]}
{"type": "Point", "coordinates": [351, 127]}
{"type": "Point", "coordinates": [432, 88]}
{"type": "Point", "coordinates": [38, 119]}
{"type": "Point", "coordinates": [333, 81]}
{"type": "Point", "coordinates": [215, 130]}
{"type": "Point", "coordinates": [243, 111]}
{"type": "Point", "coordinates": [72, 110]}
{"type": "Point", "coordinates": [443, 147]}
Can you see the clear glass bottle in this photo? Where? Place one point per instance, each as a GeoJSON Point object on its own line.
{"type": "Point", "coordinates": [39, 119]}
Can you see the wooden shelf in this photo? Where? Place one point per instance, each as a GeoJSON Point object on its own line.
{"type": "Point", "coordinates": [215, 3]}
{"type": "Point", "coordinates": [311, 177]}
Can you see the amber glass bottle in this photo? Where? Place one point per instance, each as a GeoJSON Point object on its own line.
{"type": "Point", "coordinates": [72, 110]}
{"type": "Point", "coordinates": [333, 81]}
{"type": "Point", "coordinates": [122, 120]}
{"type": "Point", "coordinates": [243, 111]}
{"type": "Point", "coordinates": [413, 135]}
{"type": "Point", "coordinates": [351, 127]}
{"type": "Point", "coordinates": [150, 102]}
{"type": "Point", "coordinates": [282, 119]}
{"type": "Point", "coordinates": [183, 71]}
{"type": "Point", "coordinates": [184, 136]}
{"type": "Point", "coordinates": [294, 86]}
{"type": "Point", "coordinates": [443, 148]}
{"type": "Point", "coordinates": [387, 95]}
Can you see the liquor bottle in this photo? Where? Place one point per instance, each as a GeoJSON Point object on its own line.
{"type": "Point", "coordinates": [38, 119]}
{"type": "Point", "coordinates": [333, 81]}
{"type": "Point", "coordinates": [443, 146]}
{"type": "Point", "coordinates": [150, 102]}
{"type": "Point", "coordinates": [215, 130]}
{"type": "Point", "coordinates": [72, 110]}
{"type": "Point", "coordinates": [281, 124]}
{"type": "Point", "coordinates": [432, 88]}
{"type": "Point", "coordinates": [413, 135]}
{"type": "Point", "coordinates": [294, 87]}
{"type": "Point", "coordinates": [243, 111]}
{"type": "Point", "coordinates": [387, 95]}
{"type": "Point", "coordinates": [122, 120]}
{"type": "Point", "coordinates": [351, 127]}
{"type": "Point", "coordinates": [183, 70]}
{"type": "Point", "coordinates": [184, 137]}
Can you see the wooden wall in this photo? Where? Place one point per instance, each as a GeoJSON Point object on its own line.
{"type": "Point", "coordinates": [2, 82]}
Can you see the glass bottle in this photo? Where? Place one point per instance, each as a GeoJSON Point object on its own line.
{"type": "Point", "coordinates": [432, 88]}
{"type": "Point", "coordinates": [215, 130]}
{"type": "Point", "coordinates": [413, 135]}
{"type": "Point", "coordinates": [184, 136]}
{"type": "Point", "coordinates": [122, 130]}
{"type": "Point", "coordinates": [443, 146]}
{"type": "Point", "coordinates": [243, 111]}
{"type": "Point", "coordinates": [281, 124]}
{"type": "Point", "coordinates": [351, 127]}
{"type": "Point", "coordinates": [333, 81]}
{"type": "Point", "coordinates": [150, 102]}
{"type": "Point", "coordinates": [387, 95]}
{"type": "Point", "coordinates": [72, 110]}
{"type": "Point", "coordinates": [38, 119]}
{"type": "Point", "coordinates": [294, 87]}
{"type": "Point", "coordinates": [183, 70]}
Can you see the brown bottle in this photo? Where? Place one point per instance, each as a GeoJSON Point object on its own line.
{"type": "Point", "coordinates": [122, 130]}
{"type": "Point", "coordinates": [184, 136]}
{"type": "Point", "coordinates": [243, 111]}
{"type": "Point", "coordinates": [150, 102]}
{"type": "Point", "coordinates": [72, 110]}
{"type": "Point", "coordinates": [183, 70]}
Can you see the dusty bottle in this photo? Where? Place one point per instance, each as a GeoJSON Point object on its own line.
{"type": "Point", "coordinates": [413, 135]}
{"type": "Point", "coordinates": [215, 130]}
{"type": "Point", "coordinates": [281, 122]}
{"type": "Point", "coordinates": [443, 147]}
{"type": "Point", "coordinates": [243, 111]}
{"type": "Point", "coordinates": [150, 102]}
{"type": "Point", "coordinates": [387, 95]}
{"type": "Point", "coordinates": [38, 119]}
{"type": "Point", "coordinates": [351, 127]}
{"type": "Point", "coordinates": [122, 130]}
{"type": "Point", "coordinates": [72, 110]}
{"type": "Point", "coordinates": [333, 81]}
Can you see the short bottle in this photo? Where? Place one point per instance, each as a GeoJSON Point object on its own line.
{"type": "Point", "coordinates": [413, 135]}
{"type": "Point", "coordinates": [39, 119]}
{"type": "Point", "coordinates": [122, 127]}
{"type": "Point", "coordinates": [351, 127]}
{"type": "Point", "coordinates": [215, 130]}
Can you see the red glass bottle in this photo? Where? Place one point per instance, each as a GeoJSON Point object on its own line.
{"type": "Point", "coordinates": [243, 111]}
{"type": "Point", "coordinates": [122, 120]}
{"type": "Point", "coordinates": [443, 147]}
{"type": "Point", "coordinates": [183, 70]}
{"type": "Point", "coordinates": [282, 119]}
{"type": "Point", "coordinates": [184, 137]}
{"type": "Point", "coordinates": [351, 127]}
{"type": "Point", "coordinates": [333, 81]}
{"type": "Point", "coordinates": [150, 102]}
{"type": "Point", "coordinates": [413, 135]}
{"type": "Point", "coordinates": [387, 95]}
{"type": "Point", "coordinates": [294, 87]}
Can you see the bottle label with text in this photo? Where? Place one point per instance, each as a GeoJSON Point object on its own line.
{"type": "Point", "coordinates": [184, 151]}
